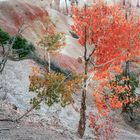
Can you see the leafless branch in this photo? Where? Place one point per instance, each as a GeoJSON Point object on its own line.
{"type": "Point", "coordinates": [92, 52]}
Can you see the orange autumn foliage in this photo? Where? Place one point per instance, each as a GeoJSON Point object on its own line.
{"type": "Point", "coordinates": [123, 92]}
{"type": "Point", "coordinates": [114, 38]}
{"type": "Point", "coordinates": [115, 103]}
{"type": "Point", "coordinates": [101, 104]}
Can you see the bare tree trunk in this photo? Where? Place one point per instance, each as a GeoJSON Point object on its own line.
{"type": "Point", "coordinates": [124, 3]}
{"type": "Point", "coordinates": [138, 4]}
{"type": "Point", "coordinates": [3, 49]}
{"type": "Point", "coordinates": [67, 10]}
{"type": "Point", "coordinates": [82, 122]}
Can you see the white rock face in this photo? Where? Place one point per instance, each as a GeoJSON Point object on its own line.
{"type": "Point", "coordinates": [14, 88]}
{"type": "Point", "coordinates": [14, 83]}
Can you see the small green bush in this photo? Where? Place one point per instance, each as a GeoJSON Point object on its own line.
{"type": "Point", "coordinates": [128, 97]}
{"type": "Point", "coordinates": [21, 47]}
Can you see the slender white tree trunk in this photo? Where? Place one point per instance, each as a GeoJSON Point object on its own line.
{"type": "Point", "coordinates": [44, 53]}
{"type": "Point", "coordinates": [49, 61]}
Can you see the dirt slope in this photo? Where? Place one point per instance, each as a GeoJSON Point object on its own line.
{"type": "Point", "coordinates": [32, 128]}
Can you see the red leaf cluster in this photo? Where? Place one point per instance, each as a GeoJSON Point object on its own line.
{"type": "Point", "coordinates": [114, 38]}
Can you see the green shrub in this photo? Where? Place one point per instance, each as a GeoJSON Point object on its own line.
{"type": "Point", "coordinates": [54, 88]}
{"type": "Point", "coordinates": [21, 47]}
{"type": "Point", "coordinates": [4, 38]}
{"type": "Point", "coordinates": [128, 96]}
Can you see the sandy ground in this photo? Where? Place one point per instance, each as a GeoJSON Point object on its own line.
{"type": "Point", "coordinates": [34, 127]}
{"type": "Point", "coordinates": [30, 128]}
{"type": "Point", "coordinates": [12, 131]}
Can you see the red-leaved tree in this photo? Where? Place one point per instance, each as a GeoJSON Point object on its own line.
{"type": "Point", "coordinates": [108, 40]}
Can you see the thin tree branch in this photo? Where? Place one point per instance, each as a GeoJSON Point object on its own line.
{"type": "Point", "coordinates": [92, 52]}
{"type": "Point", "coordinates": [101, 65]}
{"type": "Point", "coordinates": [33, 107]}
{"type": "Point", "coordinates": [85, 46]}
